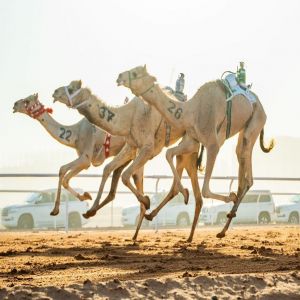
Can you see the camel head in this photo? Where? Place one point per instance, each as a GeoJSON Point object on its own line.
{"type": "Point", "coordinates": [138, 80]}
{"type": "Point", "coordinates": [27, 105]}
{"type": "Point", "coordinates": [68, 95]}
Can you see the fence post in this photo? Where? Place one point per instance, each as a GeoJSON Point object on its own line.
{"type": "Point", "coordinates": [112, 214]}
{"type": "Point", "coordinates": [156, 191]}
{"type": "Point", "coordinates": [67, 215]}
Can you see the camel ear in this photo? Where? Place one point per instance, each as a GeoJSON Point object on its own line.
{"type": "Point", "coordinates": [36, 96]}
{"type": "Point", "coordinates": [145, 67]}
{"type": "Point", "coordinates": [79, 84]}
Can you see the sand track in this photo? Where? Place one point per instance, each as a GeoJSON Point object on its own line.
{"type": "Point", "coordinates": [248, 263]}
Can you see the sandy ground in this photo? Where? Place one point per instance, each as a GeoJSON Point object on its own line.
{"type": "Point", "coordinates": [249, 263]}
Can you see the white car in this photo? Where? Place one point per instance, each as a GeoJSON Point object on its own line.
{"type": "Point", "coordinates": [35, 212]}
{"type": "Point", "coordinates": [174, 213]}
{"type": "Point", "coordinates": [256, 207]}
{"type": "Point", "coordinates": [289, 212]}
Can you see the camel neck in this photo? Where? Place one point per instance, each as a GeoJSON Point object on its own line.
{"type": "Point", "coordinates": [63, 134]}
{"type": "Point", "coordinates": [114, 120]}
{"type": "Point", "coordinates": [172, 110]}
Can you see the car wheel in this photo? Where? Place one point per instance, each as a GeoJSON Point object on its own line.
{"type": "Point", "coordinates": [264, 218]}
{"type": "Point", "coordinates": [183, 220]}
{"type": "Point", "coordinates": [74, 220]}
{"type": "Point", "coordinates": [222, 218]}
{"type": "Point", "coordinates": [294, 218]}
{"type": "Point", "coordinates": [25, 222]}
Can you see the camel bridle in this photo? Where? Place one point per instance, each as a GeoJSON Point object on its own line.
{"type": "Point", "coordinates": [130, 79]}
{"type": "Point", "coordinates": [71, 96]}
{"type": "Point", "coordinates": [37, 109]}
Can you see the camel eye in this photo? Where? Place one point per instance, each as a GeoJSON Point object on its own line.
{"type": "Point", "coordinates": [134, 75]}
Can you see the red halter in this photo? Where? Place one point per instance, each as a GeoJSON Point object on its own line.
{"type": "Point", "coordinates": [37, 109]}
{"type": "Point", "coordinates": [107, 145]}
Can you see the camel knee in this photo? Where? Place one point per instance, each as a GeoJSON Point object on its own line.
{"type": "Point", "coordinates": [205, 192]}
{"type": "Point", "coordinates": [126, 178]}
{"type": "Point", "coordinates": [62, 171]}
{"type": "Point", "coordinates": [65, 183]}
{"type": "Point", "coordinates": [169, 155]}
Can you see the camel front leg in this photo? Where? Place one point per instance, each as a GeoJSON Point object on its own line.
{"type": "Point", "coordinates": [114, 183]}
{"type": "Point", "coordinates": [212, 152]}
{"type": "Point", "coordinates": [191, 168]}
{"type": "Point", "coordinates": [76, 164]}
{"type": "Point", "coordinates": [173, 191]}
{"type": "Point", "coordinates": [126, 154]}
{"type": "Point", "coordinates": [138, 178]}
{"type": "Point", "coordinates": [72, 173]}
{"type": "Point", "coordinates": [144, 155]}
{"type": "Point", "coordinates": [186, 146]}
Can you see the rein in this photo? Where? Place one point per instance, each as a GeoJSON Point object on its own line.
{"type": "Point", "coordinates": [130, 79]}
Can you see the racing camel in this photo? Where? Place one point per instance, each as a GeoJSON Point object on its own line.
{"type": "Point", "coordinates": [146, 134]}
{"type": "Point", "coordinates": [93, 146]}
{"type": "Point", "coordinates": [205, 120]}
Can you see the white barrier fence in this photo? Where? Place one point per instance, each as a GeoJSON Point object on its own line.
{"type": "Point", "coordinates": [158, 179]}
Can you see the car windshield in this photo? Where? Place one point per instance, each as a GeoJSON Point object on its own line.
{"type": "Point", "coordinates": [32, 197]}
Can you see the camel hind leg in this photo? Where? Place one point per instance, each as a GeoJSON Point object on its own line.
{"type": "Point", "coordinates": [71, 168]}
{"type": "Point", "coordinates": [173, 191]}
{"type": "Point", "coordinates": [247, 139]}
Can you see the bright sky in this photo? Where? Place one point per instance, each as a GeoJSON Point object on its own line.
{"type": "Point", "coordinates": [46, 44]}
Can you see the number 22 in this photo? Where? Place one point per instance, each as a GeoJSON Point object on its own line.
{"type": "Point", "coordinates": [65, 134]}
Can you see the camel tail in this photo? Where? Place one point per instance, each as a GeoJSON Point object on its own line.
{"type": "Point", "coordinates": [262, 145]}
{"type": "Point", "coordinates": [199, 160]}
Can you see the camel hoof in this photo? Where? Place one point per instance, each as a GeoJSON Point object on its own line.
{"type": "Point", "coordinates": [186, 196]}
{"type": "Point", "coordinates": [231, 215]}
{"type": "Point", "coordinates": [146, 202]}
{"type": "Point", "coordinates": [90, 213]}
{"type": "Point", "coordinates": [54, 212]}
{"type": "Point", "coordinates": [189, 240]}
{"type": "Point", "coordinates": [85, 196]}
{"type": "Point", "coordinates": [220, 235]}
{"type": "Point", "coordinates": [233, 197]}
{"type": "Point", "coordinates": [148, 217]}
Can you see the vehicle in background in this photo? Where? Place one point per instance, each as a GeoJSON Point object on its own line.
{"type": "Point", "coordinates": [289, 212]}
{"type": "Point", "coordinates": [256, 207]}
{"type": "Point", "coordinates": [176, 212]}
{"type": "Point", "coordinates": [35, 212]}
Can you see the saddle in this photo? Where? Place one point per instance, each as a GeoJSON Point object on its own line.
{"type": "Point", "coordinates": [178, 95]}
{"type": "Point", "coordinates": [233, 88]}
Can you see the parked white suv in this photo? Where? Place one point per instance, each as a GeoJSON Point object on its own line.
{"type": "Point", "coordinates": [289, 212]}
{"type": "Point", "coordinates": [256, 207]}
{"type": "Point", "coordinates": [176, 212]}
{"type": "Point", "coordinates": [35, 212]}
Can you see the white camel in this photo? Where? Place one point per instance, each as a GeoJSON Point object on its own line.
{"type": "Point", "coordinates": [92, 144]}
{"type": "Point", "coordinates": [146, 134]}
{"type": "Point", "coordinates": [205, 120]}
